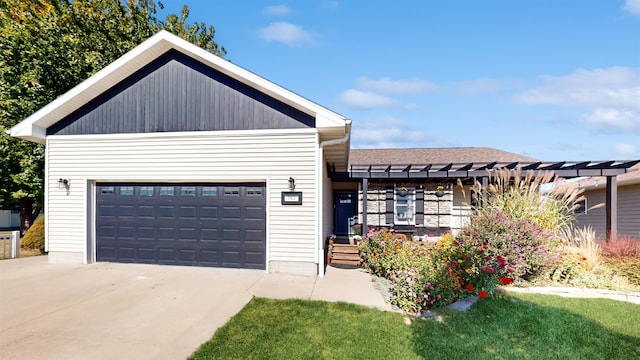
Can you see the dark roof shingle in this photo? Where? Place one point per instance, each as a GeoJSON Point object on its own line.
{"type": "Point", "coordinates": [456, 155]}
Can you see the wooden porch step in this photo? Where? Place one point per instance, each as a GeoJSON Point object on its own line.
{"type": "Point", "coordinates": [345, 248]}
{"type": "Point", "coordinates": [345, 254]}
{"type": "Point", "coordinates": [346, 262]}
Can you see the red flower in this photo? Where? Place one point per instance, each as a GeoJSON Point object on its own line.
{"type": "Point", "coordinates": [487, 269]}
{"type": "Point", "coordinates": [469, 287]}
{"type": "Point", "coordinates": [483, 294]}
{"type": "Point", "coordinates": [505, 280]}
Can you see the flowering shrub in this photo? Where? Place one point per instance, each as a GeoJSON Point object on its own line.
{"type": "Point", "coordinates": [425, 278]}
{"type": "Point", "coordinates": [518, 247]}
{"type": "Point", "coordinates": [383, 253]}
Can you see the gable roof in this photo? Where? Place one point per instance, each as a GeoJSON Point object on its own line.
{"type": "Point", "coordinates": [33, 128]}
{"type": "Point", "coordinates": [456, 155]}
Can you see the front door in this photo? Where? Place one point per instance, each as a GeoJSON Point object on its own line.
{"type": "Point", "coordinates": [345, 209]}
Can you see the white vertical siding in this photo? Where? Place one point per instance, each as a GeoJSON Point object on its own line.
{"type": "Point", "coordinates": [270, 156]}
{"type": "Point", "coordinates": [461, 208]}
{"type": "Point", "coordinates": [328, 211]}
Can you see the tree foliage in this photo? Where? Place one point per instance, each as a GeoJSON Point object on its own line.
{"type": "Point", "coordinates": [49, 46]}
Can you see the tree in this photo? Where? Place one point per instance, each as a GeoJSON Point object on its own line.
{"type": "Point", "coordinates": [49, 46]}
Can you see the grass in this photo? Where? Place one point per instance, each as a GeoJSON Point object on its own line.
{"type": "Point", "coordinates": [513, 326]}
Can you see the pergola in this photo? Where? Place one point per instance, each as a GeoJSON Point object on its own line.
{"type": "Point", "coordinates": [483, 170]}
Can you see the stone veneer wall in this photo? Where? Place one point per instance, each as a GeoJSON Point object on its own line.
{"type": "Point", "coordinates": [377, 207]}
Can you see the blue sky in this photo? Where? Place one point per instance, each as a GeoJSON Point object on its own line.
{"type": "Point", "coordinates": [551, 79]}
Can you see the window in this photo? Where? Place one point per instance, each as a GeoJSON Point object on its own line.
{"type": "Point", "coordinates": [209, 191]}
{"type": "Point", "coordinates": [146, 190]}
{"type": "Point", "coordinates": [126, 190]}
{"type": "Point", "coordinates": [231, 191]}
{"type": "Point", "coordinates": [254, 191]}
{"type": "Point", "coordinates": [580, 207]}
{"type": "Point", "coordinates": [166, 190]}
{"type": "Point", "coordinates": [106, 190]}
{"type": "Point", "coordinates": [188, 191]}
{"type": "Point", "coordinates": [404, 206]}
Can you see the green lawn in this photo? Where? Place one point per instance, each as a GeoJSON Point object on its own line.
{"type": "Point", "coordinates": [515, 326]}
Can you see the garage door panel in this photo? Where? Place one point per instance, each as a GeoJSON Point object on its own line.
{"type": "Point", "coordinates": [184, 224]}
{"type": "Point", "coordinates": [126, 253]}
{"type": "Point", "coordinates": [231, 213]}
{"type": "Point", "coordinates": [187, 212]}
{"type": "Point", "coordinates": [209, 212]}
{"type": "Point", "coordinates": [254, 213]}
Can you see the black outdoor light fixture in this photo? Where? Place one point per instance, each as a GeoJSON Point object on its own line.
{"type": "Point", "coordinates": [291, 197]}
{"type": "Point", "coordinates": [292, 184]}
{"type": "Point", "coordinates": [64, 182]}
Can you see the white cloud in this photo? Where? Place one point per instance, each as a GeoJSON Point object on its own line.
{"type": "Point", "coordinates": [386, 132]}
{"type": "Point", "coordinates": [609, 96]}
{"type": "Point", "coordinates": [372, 93]}
{"type": "Point", "coordinates": [627, 150]}
{"type": "Point", "coordinates": [614, 118]}
{"type": "Point", "coordinates": [287, 33]}
{"type": "Point", "coordinates": [387, 85]}
{"type": "Point", "coordinates": [615, 86]}
{"type": "Point", "coordinates": [632, 6]}
{"type": "Point", "coordinates": [365, 99]}
{"type": "Point", "coordinates": [278, 10]}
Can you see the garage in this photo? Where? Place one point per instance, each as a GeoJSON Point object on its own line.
{"type": "Point", "coordinates": [197, 224]}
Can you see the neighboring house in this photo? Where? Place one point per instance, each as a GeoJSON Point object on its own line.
{"type": "Point", "coordinates": [593, 211]}
{"type": "Point", "coordinates": [9, 220]}
{"type": "Point", "coordinates": [172, 155]}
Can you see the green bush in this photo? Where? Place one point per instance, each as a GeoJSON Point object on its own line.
{"type": "Point", "coordinates": [34, 237]}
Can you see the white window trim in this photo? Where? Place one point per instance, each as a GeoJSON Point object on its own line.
{"type": "Point", "coordinates": [584, 208]}
{"type": "Point", "coordinates": [411, 194]}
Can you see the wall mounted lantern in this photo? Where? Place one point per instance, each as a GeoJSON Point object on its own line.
{"type": "Point", "coordinates": [292, 184]}
{"type": "Point", "coordinates": [64, 182]}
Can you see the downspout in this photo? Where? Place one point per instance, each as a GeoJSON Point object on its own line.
{"type": "Point", "coordinates": [319, 200]}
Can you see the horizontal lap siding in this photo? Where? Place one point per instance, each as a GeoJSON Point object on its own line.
{"type": "Point", "coordinates": [628, 211]}
{"type": "Point", "coordinates": [202, 157]}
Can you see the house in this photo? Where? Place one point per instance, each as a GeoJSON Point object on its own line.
{"type": "Point", "coordinates": [419, 208]}
{"type": "Point", "coordinates": [593, 210]}
{"type": "Point", "coordinates": [9, 220]}
{"type": "Point", "coordinates": [172, 155]}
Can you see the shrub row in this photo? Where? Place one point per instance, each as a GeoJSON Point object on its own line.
{"type": "Point", "coordinates": [494, 249]}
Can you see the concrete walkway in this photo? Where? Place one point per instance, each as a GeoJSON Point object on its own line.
{"type": "Point", "coordinates": [134, 311]}
{"type": "Point", "coordinates": [632, 297]}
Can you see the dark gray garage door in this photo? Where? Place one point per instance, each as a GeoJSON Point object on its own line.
{"type": "Point", "coordinates": [220, 225]}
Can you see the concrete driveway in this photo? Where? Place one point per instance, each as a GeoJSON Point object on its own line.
{"type": "Point", "coordinates": [134, 311]}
